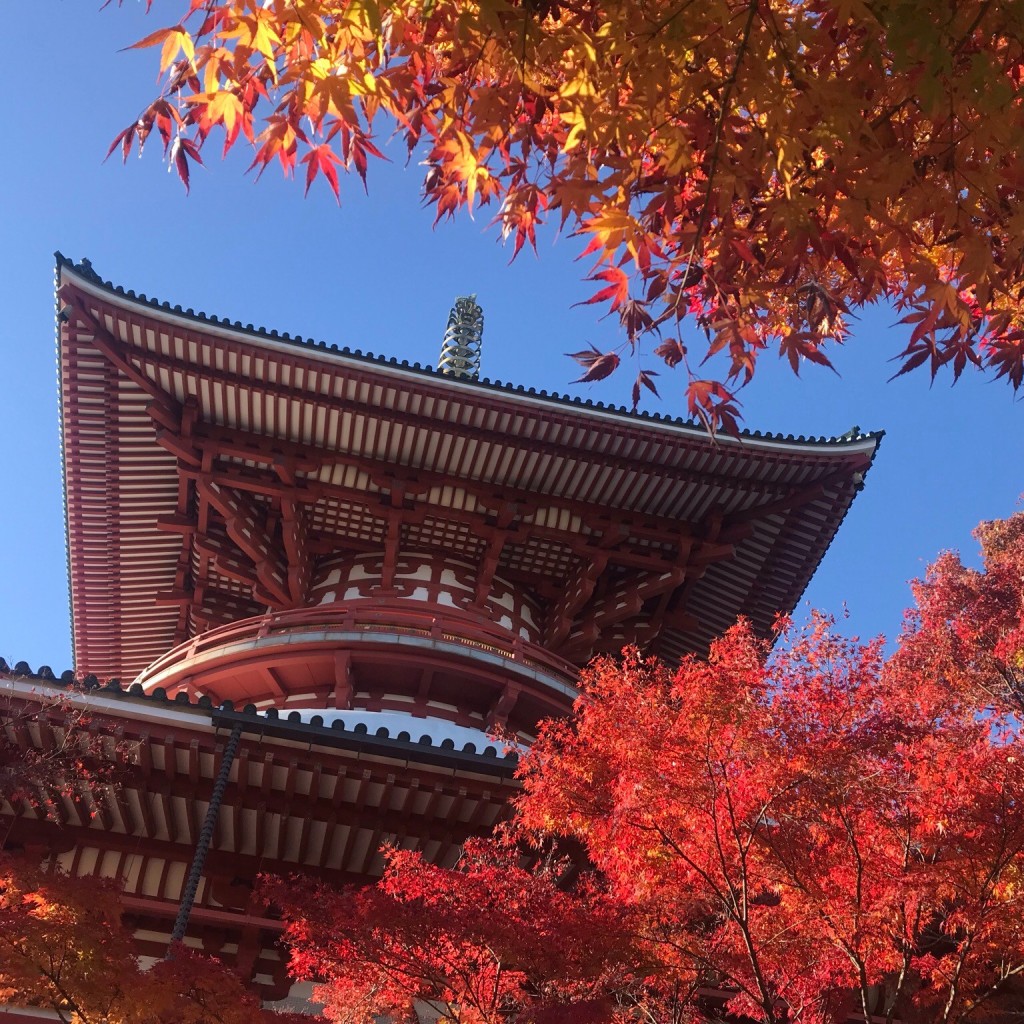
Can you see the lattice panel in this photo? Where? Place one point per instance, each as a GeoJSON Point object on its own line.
{"type": "Point", "coordinates": [342, 474]}
{"type": "Point", "coordinates": [347, 520]}
{"type": "Point", "coordinates": [235, 461]}
{"type": "Point", "coordinates": [453, 497]}
{"type": "Point", "coordinates": [226, 585]}
{"type": "Point", "coordinates": [541, 558]}
{"type": "Point", "coordinates": [655, 548]}
{"type": "Point", "coordinates": [442, 535]}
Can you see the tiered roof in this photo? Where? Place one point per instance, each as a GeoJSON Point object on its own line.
{"type": "Point", "coordinates": [299, 797]}
{"type": "Point", "coordinates": [209, 466]}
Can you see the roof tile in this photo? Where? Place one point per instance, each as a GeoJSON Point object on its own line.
{"type": "Point", "coordinates": [84, 267]}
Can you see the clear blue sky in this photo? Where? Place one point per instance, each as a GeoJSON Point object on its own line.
{"type": "Point", "coordinates": [374, 275]}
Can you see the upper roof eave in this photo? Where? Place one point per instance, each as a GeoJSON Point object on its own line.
{"type": "Point", "coordinates": [89, 281]}
{"type": "Point", "coordinates": [619, 442]}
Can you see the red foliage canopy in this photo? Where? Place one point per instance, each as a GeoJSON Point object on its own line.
{"type": "Point", "coordinates": [489, 942]}
{"type": "Point", "coordinates": [63, 947]}
{"type": "Point", "coordinates": [967, 631]}
{"type": "Point", "coordinates": [813, 835]}
{"type": "Point", "coordinates": [804, 826]}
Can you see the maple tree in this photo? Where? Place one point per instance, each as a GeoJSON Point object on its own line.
{"type": "Point", "coordinates": [64, 943]}
{"type": "Point", "coordinates": [79, 759]}
{"type": "Point", "coordinates": [803, 823]}
{"type": "Point", "coordinates": [967, 630]}
{"type": "Point", "coordinates": [755, 170]}
{"type": "Point", "coordinates": [490, 942]}
{"type": "Point", "coordinates": [65, 947]}
{"type": "Point", "coordinates": [804, 835]}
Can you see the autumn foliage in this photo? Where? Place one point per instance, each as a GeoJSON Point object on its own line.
{"type": "Point", "coordinates": [803, 830]}
{"type": "Point", "coordinates": [816, 834]}
{"type": "Point", "coordinates": [744, 175]}
{"type": "Point", "coordinates": [78, 761]}
{"type": "Point", "coordinates": [492, 941]}
{"type": "Point", "coordinates": [64, 947]}
{"type": "Point", "coordinates": [968, 626]}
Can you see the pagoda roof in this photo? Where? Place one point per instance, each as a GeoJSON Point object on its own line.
{"type": "Point", "coordinates": [137, 375]}
{"type": "Point", "coordinates": [114, 700]}
{"type": "Point", "coordinates": [299, 797]}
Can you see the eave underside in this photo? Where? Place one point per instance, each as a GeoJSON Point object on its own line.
{"type": "Point", "coordinates": [321, 810]}
{"type": "Point", "coordinates": [198, 496]}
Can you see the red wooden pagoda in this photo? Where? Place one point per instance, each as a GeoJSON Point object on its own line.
{"type": "Point", "coordinates": [330, 576]}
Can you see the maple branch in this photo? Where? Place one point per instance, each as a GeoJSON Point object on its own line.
{"type": "Point", "coordinates": [787, 58]}
{"type": "Point", "coordinates": [894, 992]}
{"type": "Point", "coordinates": [660, 26]}
{"type": "Point", "coordinates": [53, 976]}
{"type": "Point", "coordinates": [663, 937]}
{"type": "Point", "coordinates": [731, 905]}
{"type": "Point", "coordinates": [822, 914]}
{"type": "Point", "coordinates": [21, 950]}
{"type": "Point", "coordinates": [972, 28]}
{"type": "Point", "coordinates": [885, 115]}
{"type": "Point", "coordinates": [740, 916]}
{"type": "Point", "coordinates": [759, 996]}
{"type": "Point", "coordinates": [716, 145]}
{"type": "Point", "coordinates": [856, 958]}
{"type": "Point", "coordinates": [963, 949]}
{"type": "Point", "coordinates": [1005, 973]}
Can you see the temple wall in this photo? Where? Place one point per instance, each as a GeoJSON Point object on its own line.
{"type": "Point", "coordinates": [437, 581]}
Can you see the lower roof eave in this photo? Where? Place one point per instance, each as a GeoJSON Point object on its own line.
{"type": "Point", "coordinates": [156, 710]}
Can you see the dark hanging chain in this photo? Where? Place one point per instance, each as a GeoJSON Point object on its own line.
{"type": "Point", "coordinates": [188, 896]}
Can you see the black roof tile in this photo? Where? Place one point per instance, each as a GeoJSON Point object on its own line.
{"type": "Point", "coordinates": [269, 722]}
{"type": "Point", "coordinates": [85, 269]}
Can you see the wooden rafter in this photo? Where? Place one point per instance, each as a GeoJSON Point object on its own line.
{"type": "Point", "coordinates": [503, 530]}
{"type": "Point", "coordinates": [116, 352]}
{"type": "Point", "coordinates": [577, 592]}
{"type": "Point", "coordinates": [392, 540]}
{"type": "Point", "coordinates": [364, 406]}
{"type": "Point", "coordinates": [621, 602]}
{"type": "Point", "coordinates": [241, 480]}
{"type": "Point", "coordinates": [247, 526]}
{"type": "Point", "coordinates": [226, 558]}
{"type": "Point", "coordinates": [497, 718]}
{"type": "Point", "coordinates": [295, 538]}
{"type": "Point", "coordinates": [221, 441]}
{"type": "Point", "coordinates": [343, 679]}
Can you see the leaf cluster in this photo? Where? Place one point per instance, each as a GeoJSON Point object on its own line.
{"type": "Point", "coordinates": [65, 948]}
{"type": "Point", "coordinates": [51, 748]}
{"type": "Point", "coordinates": [756, 171]}
{"type": "Point", "coordinates": [816, 833]}
{"type": "Point", "coordinates": [966, 633]}
{"type": "Point", "coordinates": [495, 939]}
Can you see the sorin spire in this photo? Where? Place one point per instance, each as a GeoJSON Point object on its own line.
{"type": "Point", "coordinates": [460, 352]}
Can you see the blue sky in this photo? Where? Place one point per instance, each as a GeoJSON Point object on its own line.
{"type": "Point", "coordinates": [374, 275]}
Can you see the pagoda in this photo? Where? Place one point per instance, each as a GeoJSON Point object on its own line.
{"type": "Point", "coordinates": [309, 585]}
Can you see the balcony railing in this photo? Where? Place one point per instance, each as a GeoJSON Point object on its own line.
{"type": "Point", "coordinates": [450, 626]}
